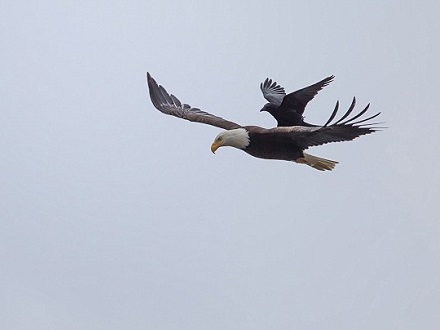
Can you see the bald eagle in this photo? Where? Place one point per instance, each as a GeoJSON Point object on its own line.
{"type": "Point", "coordinates": [288, 109]}
{"type": "Point", "coordinates": [281, 143]}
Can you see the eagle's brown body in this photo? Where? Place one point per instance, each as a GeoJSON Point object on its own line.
{"type": "Point", "coordinates": [268, 145]}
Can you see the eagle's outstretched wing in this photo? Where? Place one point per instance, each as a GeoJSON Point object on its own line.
{"type": "Point", "coordinates": [338, 131]}
{"type": "Point", "coordinates": [170, 105]}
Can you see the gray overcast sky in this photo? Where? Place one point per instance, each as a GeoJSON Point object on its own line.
{"type": "Point", "coordinates": [115, 216]}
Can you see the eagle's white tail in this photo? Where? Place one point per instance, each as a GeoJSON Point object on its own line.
{"type": "Point", "coordinates": [320, 164]}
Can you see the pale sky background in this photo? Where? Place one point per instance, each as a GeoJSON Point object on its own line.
{"type": "Point", "coordinates": [115, 216]}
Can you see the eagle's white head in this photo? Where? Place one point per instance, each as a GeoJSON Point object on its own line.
{"type": "Point", "coordinates": [237, 138]}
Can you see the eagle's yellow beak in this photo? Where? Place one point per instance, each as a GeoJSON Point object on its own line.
{"type": "Point", "coordinates": [215, 145]}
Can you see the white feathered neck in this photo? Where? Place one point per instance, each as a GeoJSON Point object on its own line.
{"type": "Point", "coordinates": [237, 138]}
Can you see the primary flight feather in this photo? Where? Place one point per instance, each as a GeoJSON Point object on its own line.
{"type": "Point", "coordinates": [281, 143]}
